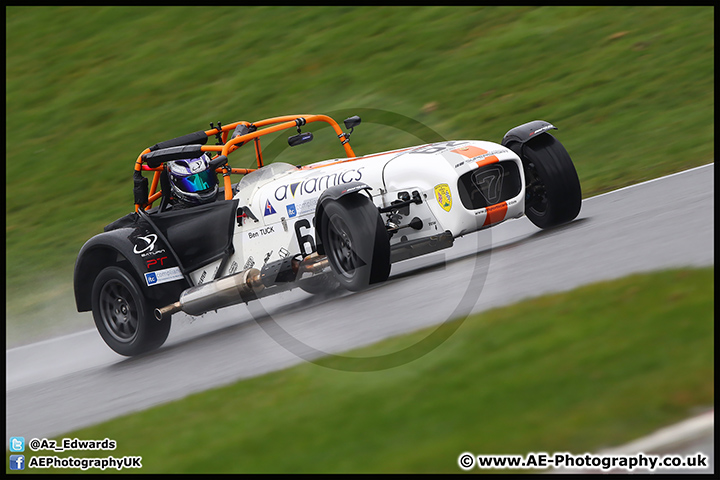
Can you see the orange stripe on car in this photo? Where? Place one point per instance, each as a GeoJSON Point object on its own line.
{"type": "Point", "coordinates": [495, 213]}
{"type": "Point", "coordinates": [470, 151]}
{"type": "Point", "coordinates": [487, 161]}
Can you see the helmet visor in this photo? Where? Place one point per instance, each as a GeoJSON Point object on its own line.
{"type": "Point", "coordinates": [197, 182]}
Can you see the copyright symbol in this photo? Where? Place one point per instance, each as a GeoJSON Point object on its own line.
{"type": "Point", "coordinates": [466, 461]}
{"type": "Point", "coordinates": [34, 444]}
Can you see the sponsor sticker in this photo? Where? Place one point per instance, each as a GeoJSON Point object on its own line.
{"type": "Point", "coordinates": [292, 211]}
{"type": "Point", "coordinates": [443, 196]}
{"type": "Point", "coordinates": [147, 244]}
{"type": "Point", "coordinates": [155, 261]}
{"type": "Point", "coordinates": [163, 276]}
{"type": "Point", "coordinates": [269, 210]}
{"type": "Point", "coordinates": [316, 184]}
{"type": "Point", "coordinates": [206, 274]}
{"type": "Point", "coordinates": [249, 264]}
{"type": "Point", "coordinates": [306, 206]}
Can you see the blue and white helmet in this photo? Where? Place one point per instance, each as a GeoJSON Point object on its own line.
{"type": "Point", "coordinates": [192, 181]}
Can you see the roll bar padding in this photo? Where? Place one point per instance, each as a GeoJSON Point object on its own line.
{"type": "Point", "coordinates": [156, 158]}
{"type": "Point", "coordinates": [199, 137]}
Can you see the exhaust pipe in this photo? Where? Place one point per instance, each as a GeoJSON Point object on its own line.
{"type": "Point", "coordinates": [168, 310]}
{"type": "Point", "coordinates": [241, 287]}
{"type": "Point", "coordinates": [221, 293]}
{"type": "Point", "coordinates": [313, 263]}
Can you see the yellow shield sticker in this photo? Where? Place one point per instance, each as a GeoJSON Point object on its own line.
{"type": "Point", "coordinates": [443, 196]}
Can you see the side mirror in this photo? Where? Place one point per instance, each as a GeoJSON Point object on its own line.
{"type": "Point", "coordinates": [352, 122]}
{"type": "Point", "coordinates": [300, 138]}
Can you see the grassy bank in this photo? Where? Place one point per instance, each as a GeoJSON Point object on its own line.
{"type": "Point", "coordinates": [88, 88]}
{"type": "Point", "coordinates": [577, 372]}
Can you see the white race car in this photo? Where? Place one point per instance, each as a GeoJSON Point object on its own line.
{"type": "Point", "coordinates": [335, 223]}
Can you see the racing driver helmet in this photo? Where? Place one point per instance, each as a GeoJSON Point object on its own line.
{"type": "Point", "coordinates": [193, 181]}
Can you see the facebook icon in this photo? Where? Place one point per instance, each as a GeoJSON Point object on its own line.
{"type": "Point", "coordinates": [17, 462]}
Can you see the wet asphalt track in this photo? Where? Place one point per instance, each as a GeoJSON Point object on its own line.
{"type": "Point", "coordinates": [75, 381]}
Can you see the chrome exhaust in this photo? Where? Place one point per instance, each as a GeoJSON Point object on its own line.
{"type": "Point", "coordinates": [313, 263]}
{"type": "Point", "coordinates": [168, 310]}
{"type": "Point", "coordinates": [240, 287]}
{"type": "Point", "coordinates": [221, 293]}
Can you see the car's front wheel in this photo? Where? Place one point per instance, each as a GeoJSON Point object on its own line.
{"type": "Point", "coordinates": [355, 241]}
{"type": "Point", "coordinates": [553, 194]}
{"type": "Point", "coordinates": [123, 316]}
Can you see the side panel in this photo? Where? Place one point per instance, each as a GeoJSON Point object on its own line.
{"type": "Point", "coordinates": [140, 252]}
{"type": "Point", "coordinates": [284, 211]}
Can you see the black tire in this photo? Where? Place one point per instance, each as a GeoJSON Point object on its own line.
{"type": "Point", "coordinates": [553, 194]}
{"type": "Point", "coordinates": [320, 284]}
{"type": "Point", "coordinates": [123, 316]}
{"type": "Point", "coordinates": [356, 242]}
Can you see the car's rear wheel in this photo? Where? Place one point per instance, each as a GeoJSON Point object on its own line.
{"type": "Point", "coordinates": [356, 242]}
{"type": "Point", "coordinates": [123, 316]}
{"type": "Point", "coordinates": [553, 194]}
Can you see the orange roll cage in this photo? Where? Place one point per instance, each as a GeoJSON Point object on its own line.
{"type": "Point", "coordinates": [262, 127]}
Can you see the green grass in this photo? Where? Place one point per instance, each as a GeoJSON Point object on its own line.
{"type": "Point", "coordinates": [578, 371]}
{"type": "Point", "coordinates": [88, 88]}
